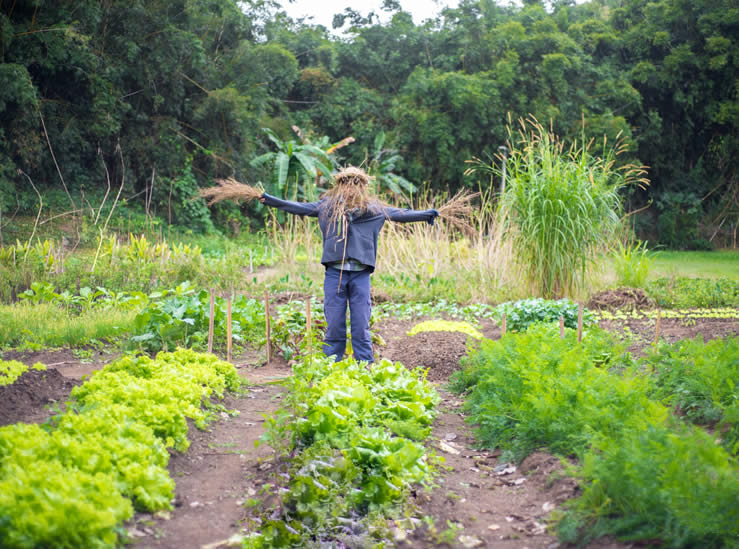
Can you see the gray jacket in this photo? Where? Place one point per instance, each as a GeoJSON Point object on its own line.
{"type": "Point", "coordinates": [361, 234]}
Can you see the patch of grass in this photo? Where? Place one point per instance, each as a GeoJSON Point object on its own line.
{"type": "Point", "coordinates": [716, 264]}
{"type": "Point", "coordinates": [45, 325]}
{"type": "Point", "coordinates": [694, 292]}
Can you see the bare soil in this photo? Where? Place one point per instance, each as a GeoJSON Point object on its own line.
{"type": "Point", "coordinates": [492, 504]}
{"type": "Point", "coordinates": [31, 398]}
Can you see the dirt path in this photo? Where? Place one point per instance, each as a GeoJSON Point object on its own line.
{"type": "Point", "coordinates": [218, 472]}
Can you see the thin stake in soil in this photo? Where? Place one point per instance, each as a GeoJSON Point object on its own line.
{"type": "Point", "coordinates": [657, 327]}
{"type": "Point", "coordinates": [579, 323]}
{"type": "Point", "coordinates": [308, 324]}
{"type": "Point", "coordinates": [211, 319]}
{"type": "Point", "coordinates": [562, 327]}
{"type": "Point", "coordinates": [267, 326]}
{"type": "Point", "coordinates": [503, 325]}
{"type": "Point", "coordinates": [228, 327]}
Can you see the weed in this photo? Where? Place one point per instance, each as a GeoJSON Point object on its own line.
{"type": "Point", "coordinates": [632, 264]}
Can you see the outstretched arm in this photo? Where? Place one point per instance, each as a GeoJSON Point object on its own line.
{"type": "Point", "coordinates": [298, 208]}
{"type": "Point", "coordinates": [401, 215]}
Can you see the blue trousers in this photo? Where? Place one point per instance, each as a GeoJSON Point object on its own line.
{"type": "Point", "coordinates": [353, 290]}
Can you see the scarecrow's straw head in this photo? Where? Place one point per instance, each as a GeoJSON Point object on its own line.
{"type": "Point", "coordinates": [352, 176]}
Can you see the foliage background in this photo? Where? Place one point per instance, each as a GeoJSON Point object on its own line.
{"type": "Point", "coordinates": [165, 96]}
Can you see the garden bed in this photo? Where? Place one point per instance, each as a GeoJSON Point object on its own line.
{"type": "Point", "coordinates": [478, 499]}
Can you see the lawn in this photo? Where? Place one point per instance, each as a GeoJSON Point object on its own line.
{"type": "Point", "coordinates": [715, 264]}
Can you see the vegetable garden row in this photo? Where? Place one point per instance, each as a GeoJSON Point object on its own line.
{"type": "Point", "coordinates": [351, 442]}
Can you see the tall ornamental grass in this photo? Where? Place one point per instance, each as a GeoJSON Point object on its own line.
{"type": "Point", "coordinates": [561, 206]}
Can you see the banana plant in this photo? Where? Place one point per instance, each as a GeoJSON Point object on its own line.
{"type": "Point", "coordinates": [294, 161]}
{"type": "Point", "coordinates": [381, 166]}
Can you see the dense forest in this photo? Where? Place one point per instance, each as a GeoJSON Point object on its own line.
{"type": "Point", "coordinates": [163, 96]}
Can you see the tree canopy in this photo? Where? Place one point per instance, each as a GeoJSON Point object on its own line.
{"type": "Point", "coordinates": [173, 94]}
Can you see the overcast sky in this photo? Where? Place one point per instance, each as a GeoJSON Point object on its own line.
{"type": "Point", "coordinates": [323, 10]}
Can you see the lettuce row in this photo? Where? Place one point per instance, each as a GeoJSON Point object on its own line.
{"type": "Point", "coordinates": [73, 482]}
{"type": "Point", "coordinates": [10, 370]}
{"type": "Point", "coordinates": [354, 436]}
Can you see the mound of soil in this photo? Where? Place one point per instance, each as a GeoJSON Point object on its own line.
{"type": "Point", "coordinates": [438, 351]}
{"type": "Point", "coordinates": [622, 298]}
{"type": "Point", "coordinates": [26, 399]}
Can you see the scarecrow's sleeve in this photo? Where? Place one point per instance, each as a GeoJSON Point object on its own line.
{"type": "Point", "coordinates": [402, 215]}
{"type": "Point", "coordinates": [298, 208]}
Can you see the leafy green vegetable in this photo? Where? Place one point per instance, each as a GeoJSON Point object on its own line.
{"type": "Point", "coordinates": [351, 434]}
{"type": "Point", "coordinates": [700, 381]}
{"type": "Point", "coordinates": [521, 314]}
{"type": "Point", "coordinates": [684, 292]}
{"type": "Point", "coordinates": [72, 484]}
{"type": "Point", "coordinates": [445, 326]}
{"type": "Point", "coordinates": [10, 370]}
{"type": "Point", "coordinates": [183, 319]}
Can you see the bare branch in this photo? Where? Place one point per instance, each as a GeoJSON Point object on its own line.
{"type": "Point", "coordinates": [123, 182]}
{"type": "Point", "coordinates": [43, 125]}
{"type": "Point", "coordinates": [38, 215]}
{"type": "Point", "coordinates": [107, 178]}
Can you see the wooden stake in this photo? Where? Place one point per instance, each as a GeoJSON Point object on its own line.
{"type": "Point", "coordinates": [267, 322]}
{"type": "Point", "coordinates": [228, 327]}
{"type": "Point", "coordinates": [308, 324]}
{"type": "Point", "coordinates": [503, 325]}
{"type": "Point", "coordinates": [251, 263]}
{"type": "Point", "coordinates": [657, 327]}
{"type": "Point", "coordinates": [211, 319]}
{"type": "Point", "coordinates": [308, 321]}
{"type": "Point", "coordinates": [579, 323]}
{"type": "Point", "coordinates": [562, 327]}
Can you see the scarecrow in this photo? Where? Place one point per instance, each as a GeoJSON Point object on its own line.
{"type": "Point", "coordinates": [350, 218]}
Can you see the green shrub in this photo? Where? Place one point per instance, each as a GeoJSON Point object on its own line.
{"type": "Point", "coordinates": [632, 264]}
{"type": "Point", "coordinates": [681, 293]}
{"type": "Point", "coordinates": [560, 207]}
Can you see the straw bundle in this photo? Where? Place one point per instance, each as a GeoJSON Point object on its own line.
{"type": "Point", "coordinates": [458, 211]}
{"type": "Point", "coordinates": [230, 189]}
